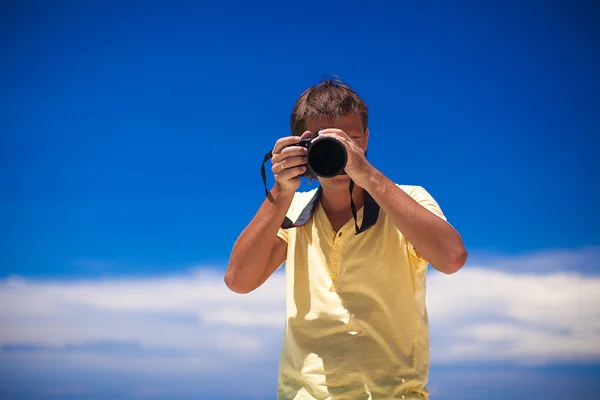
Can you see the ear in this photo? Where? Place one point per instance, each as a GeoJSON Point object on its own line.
{"type": "Point", "coordinates": [366, 138]}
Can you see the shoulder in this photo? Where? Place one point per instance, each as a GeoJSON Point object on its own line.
{"type": "Point", "coordinates": [423, 197]}
{"type": "Point", "coordinates": [414, 191]}
{"type": "Point", "coordinates": [411, 189]}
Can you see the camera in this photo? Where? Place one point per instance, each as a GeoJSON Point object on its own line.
{"type": "Point", "coordinates": [325, 157]}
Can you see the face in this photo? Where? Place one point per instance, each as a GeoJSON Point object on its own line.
{"type": "Point", "coordinates": [352, 125]}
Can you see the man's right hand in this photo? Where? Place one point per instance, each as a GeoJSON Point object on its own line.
{"type": "Point", "coordinates": [288, 161]}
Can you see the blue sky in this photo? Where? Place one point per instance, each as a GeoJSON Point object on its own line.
{"type": "Point", "coordinates": [131, 141]}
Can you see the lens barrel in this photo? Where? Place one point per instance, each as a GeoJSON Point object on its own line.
{"type": "Point", "coordinates": [326, 157]}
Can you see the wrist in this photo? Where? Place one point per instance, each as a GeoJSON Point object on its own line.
{"type": "Point", "coordinates": [281, 192]}
{"type": "Point", "coordinates": [365, 177]}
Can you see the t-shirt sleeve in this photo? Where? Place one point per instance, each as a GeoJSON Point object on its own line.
{"type": "Point", "coordinates": [284, 234]}
{"type": "Point", "coordinates": [421, 196]}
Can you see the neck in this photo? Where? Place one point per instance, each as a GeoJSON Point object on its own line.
{"type": "Point", "coordinates": [336, 198]}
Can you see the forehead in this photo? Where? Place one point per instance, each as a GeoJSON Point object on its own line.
{"type": "Point", "coordinates": [348, 123]}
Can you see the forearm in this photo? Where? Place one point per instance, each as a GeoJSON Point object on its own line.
{"type": "Point", "coordinates": [251, 251]}
{"type": "Point", "coordinates": [436, 240]}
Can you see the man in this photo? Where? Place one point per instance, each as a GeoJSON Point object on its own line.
{"type": "Point", "coordinates": [357, 324]}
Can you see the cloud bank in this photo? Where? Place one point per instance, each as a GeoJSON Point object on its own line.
{"type": "Point", "coordinates": [192, 324]}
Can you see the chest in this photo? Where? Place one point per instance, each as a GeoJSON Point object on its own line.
{"type": "Point", "coordinates": [338, 220]}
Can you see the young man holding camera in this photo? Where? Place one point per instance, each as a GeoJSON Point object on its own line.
{"type": "Point", "coordinates": [355, 259]}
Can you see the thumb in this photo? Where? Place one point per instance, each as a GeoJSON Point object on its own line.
{"type": "Point", "coordinates": [306, 135]}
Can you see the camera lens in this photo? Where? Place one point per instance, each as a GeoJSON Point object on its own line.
{"type": "Point", "coordinates": [327, 157]}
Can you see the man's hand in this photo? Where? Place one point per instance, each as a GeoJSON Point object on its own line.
{"type": "Point", "coordinates": [357, 166]}
{"type": "Point", "coordinates": [288, 162]}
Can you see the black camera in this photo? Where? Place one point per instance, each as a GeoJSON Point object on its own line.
{"type": "Point", "coordinates": [325, 157]}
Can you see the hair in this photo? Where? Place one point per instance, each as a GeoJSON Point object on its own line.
{"type": "Point", "coordinates": [331, 98]}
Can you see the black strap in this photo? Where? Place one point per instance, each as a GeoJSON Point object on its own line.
{"type": "Point", "coordinates": [262, 170]}
{"type": "Point", "coordinates": [353, 207]}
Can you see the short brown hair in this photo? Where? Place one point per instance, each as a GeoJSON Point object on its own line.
{"type": "Point", "coordinates": [331, 98]}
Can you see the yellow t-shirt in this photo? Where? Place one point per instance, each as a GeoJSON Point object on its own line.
{"type": "Point", "coordinates": [357, 324]}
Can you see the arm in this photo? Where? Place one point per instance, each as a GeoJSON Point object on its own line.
{"type": "Point", "coordinates": [258, 251]}
{"type": "Point", "coordinates": [436, 240]}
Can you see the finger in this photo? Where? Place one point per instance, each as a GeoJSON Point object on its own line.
{"type": "Point", "coordinates": [293, 161]}
{"type": "Point", "coordinates": [290, 173]}
{"type": "Point", "coordinates": [306, 135]}
{"type": "Point", "coordinates": [293, 151]}
{"type": "Point", "coordinates": [333, 131]}
{"type": "Point", "coordinates": [289, 152]}
{"type": "Point", "coordinates": [284, 142]}
{"type": "Point", "coordinates": [289, 163]}
{"type": "Point", "coordinates": [330, 135]}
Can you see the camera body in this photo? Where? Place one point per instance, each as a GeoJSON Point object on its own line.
{"type": "Point", "coordinates": [326, 157]}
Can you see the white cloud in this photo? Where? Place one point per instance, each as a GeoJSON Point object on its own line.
{"type": "Point", "coordinates": [194, 323]}
{"type": "Point", "coordinates": [193, 312]}
{"type": "Point", "coordinates": [488, 315]}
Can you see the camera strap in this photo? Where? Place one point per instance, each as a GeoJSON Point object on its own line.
{"type": "Point", "coordinates": [268, 156]}
{"type": "Point", "coordinates": [370, 207]}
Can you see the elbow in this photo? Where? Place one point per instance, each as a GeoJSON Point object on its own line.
{"type": "Point", "coordinates": [236, 285]}
{"type": "Point", "coordinates": [456, 260]}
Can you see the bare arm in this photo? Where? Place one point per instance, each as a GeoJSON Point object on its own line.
{"type": "Point", "coordinates": [436, 240]}
{"type": "Point", "coordinates": [278, 256]}
{"type": "Point", "coordinates": [258, 251]}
